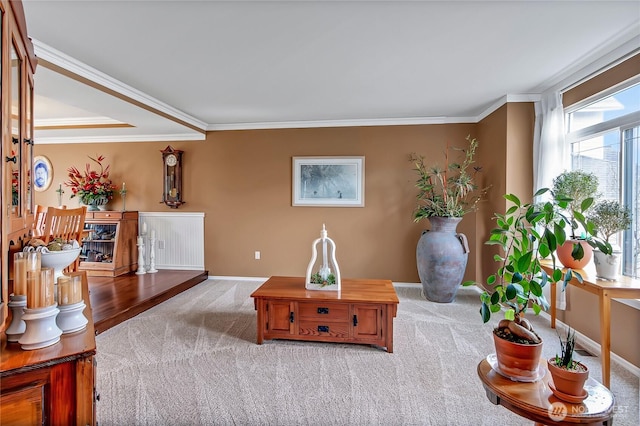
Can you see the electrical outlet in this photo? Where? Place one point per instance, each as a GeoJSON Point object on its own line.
{"type": "Point", "coordinates": [257, 255]}
{"type": "Point", "coordinates": [161, 244]}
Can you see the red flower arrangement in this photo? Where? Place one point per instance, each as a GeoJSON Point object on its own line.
{"type": "Point", "coordinates": [91, 185]}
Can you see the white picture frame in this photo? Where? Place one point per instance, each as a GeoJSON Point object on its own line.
{"type": "Point", "coordinates": [328, 181]}
{"type": "Point", "coordinates": [42, 172]}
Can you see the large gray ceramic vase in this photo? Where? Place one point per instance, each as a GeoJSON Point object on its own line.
{"type": "Point", "coordinates": [442, 255]}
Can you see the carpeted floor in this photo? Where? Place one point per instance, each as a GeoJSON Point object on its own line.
{"type": "Point", "coordinates": [193, 360]}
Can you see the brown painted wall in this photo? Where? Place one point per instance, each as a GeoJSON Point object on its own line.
{"type": "Point", "coordinates": [623, 71]}
{"type": "Point", "coordinates": [241, 180]}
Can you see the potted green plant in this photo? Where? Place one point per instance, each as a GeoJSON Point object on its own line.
{"type": "Point", "coordinates": [568, 374]}
{"type": "Point", "coordinates": [446, 193]}
{"type": "Point", "coordinates": [578, 190]}
{"type": "Point", "coordinates": [526, 233]}
{"type": "Point", "coordinates": [608, 217]}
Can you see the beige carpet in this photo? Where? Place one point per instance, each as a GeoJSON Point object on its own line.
{"type": "Point", "coordinates": [193, 360]}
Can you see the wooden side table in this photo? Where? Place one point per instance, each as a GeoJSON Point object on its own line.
{"type": "Point", "coordinates": [536, 402]}
{"type": "Point", "coordinates": [623, 288]}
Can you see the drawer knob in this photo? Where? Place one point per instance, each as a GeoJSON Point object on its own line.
{"type": "Point", "coordinates": [323, 310]}
{"type": "Point", "coordinates": [323, 329]}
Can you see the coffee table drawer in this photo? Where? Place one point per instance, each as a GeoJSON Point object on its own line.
{"type": "Point", "coordinates": [323, 311]}
{"type": "Point", "coordinates": [319, 328]}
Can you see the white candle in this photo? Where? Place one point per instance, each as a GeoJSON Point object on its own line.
{"type": "Point", "coordinates": [324, 253]}
{"type": "Point", "coordinates": [153, 233]}
{"type": "Point", "coordinates": [144, 227]}
{"type": "Point", "coordinates": [139, 241]}
{"type": "Point", "coordinates": [123, 187]}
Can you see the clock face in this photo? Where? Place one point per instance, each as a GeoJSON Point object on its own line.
{"type": "Point", "coordinates": [171, 160]}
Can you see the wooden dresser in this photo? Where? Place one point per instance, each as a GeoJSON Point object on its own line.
{"type": "Point", "coordinates": [362, 312]}
{"type": "Point", "coordinates": [53, 385]}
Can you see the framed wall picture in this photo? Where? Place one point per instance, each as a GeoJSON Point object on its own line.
{"type": "Point", "coordinates": [328, 181]}
{"type": "Point", "coordinates": [42, 173]}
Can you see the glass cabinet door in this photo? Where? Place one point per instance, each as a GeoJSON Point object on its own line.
{"type": "Point", "coordinates": [27, 152]}
{"type": "Point", "coordinates": [15, 157]}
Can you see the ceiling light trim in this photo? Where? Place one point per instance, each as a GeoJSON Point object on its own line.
{"type": "Point", "coordinates": [73, 66]}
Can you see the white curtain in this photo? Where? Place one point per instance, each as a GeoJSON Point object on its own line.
{"type": "Point", "coordinates": [549, 156]}
{"type": "Point", "coordinates": [549, 150]}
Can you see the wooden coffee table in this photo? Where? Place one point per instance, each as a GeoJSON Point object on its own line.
{"type": "Point", "coordinates": [536, 402]}
{"type": "Point", "coordinates": [361, 312]}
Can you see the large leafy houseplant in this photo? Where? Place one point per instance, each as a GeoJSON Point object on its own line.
{"type": "Point", "coordinates": [449, 190]}
{"type": "Point", "coordinates": [445, 195]}
{"type": "Point", "coordinates": [526, 233]}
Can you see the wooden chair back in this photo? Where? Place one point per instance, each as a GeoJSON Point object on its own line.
{"type": "Point", "coordinates": [67, 224]}
{"type": "Point", "coordinates": [39, 218]}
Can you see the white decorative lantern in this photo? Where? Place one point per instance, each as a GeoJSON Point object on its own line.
{"type": "Point", "coordinates": [325, 275]}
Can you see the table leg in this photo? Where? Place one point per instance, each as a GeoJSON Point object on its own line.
{"type": "Point", "coordinates": [605, 336]}
{"type": "Point", "coordinates": [390, 314]}
{"type": "Point", "coordinates": [554, 289]}
{"type": "Point", "coordinates": [260, 307]}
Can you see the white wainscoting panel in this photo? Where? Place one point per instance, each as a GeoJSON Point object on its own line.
{"type": "Point", "coordinates": [179, 239]}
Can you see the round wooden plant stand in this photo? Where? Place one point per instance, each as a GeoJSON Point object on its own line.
{"type": "Point", "coordinates": [535, 400]}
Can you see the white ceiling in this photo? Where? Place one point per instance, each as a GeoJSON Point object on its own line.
{"type": "Point", "coordinates": [218, 65]}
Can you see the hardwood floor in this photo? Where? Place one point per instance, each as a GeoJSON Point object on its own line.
{"type": "Point", "coordinates": [114, 300]}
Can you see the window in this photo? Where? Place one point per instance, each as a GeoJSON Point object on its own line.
{"type": "Point", "coordinates": [604, 135]}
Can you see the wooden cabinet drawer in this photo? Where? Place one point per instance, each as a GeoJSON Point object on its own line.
{"type": "Point", "coordinates": [323, 311]}
{"type": "Point", "coordinates": [107, 215]}
{"type": "Point", "coordinates": [338, 330]}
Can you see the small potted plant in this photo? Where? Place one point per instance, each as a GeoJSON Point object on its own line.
{"type": "Point", "coordinates": [525, 233]}
{"type": "Point", "coordinates": [568, 374]}
{"type": "Point", "coordinates": [578, 190]}
{"type": "Point", "coordinates": [608, 217]}
{"type": "Point", "coordinates": [446, 193]}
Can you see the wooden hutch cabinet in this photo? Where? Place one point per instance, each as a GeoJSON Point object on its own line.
{"type": "Point", "coordinates": [52, 385]}
{"type": "Point", "coordinates": [16, 150]}
{"type": "Point", "coordinates": [109, 243]}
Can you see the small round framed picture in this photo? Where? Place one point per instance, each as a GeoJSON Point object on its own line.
{"type": "Point", "coordinates": [42, 173]}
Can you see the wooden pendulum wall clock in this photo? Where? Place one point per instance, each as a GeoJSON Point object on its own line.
{"type": "Point", "coordinates": [172, 177]}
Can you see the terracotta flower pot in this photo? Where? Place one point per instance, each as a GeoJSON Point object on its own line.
{"type": "Point", "coordinates": [517, 360]}
{"type": "Point", "coordinates": [564, 254]}
{"type": "Point", "coordinates": [569, 382]}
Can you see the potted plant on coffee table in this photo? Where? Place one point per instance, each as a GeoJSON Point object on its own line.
{"type": "Point", "coordinates": [577, 189]}
{"type": "Point", "coordinates": [568, 374]}
{"type": "Point", "coordinates": [445, 195]}
{"type": "Point", "coordinates": [608, 217]}
{"type": "Point", "coordinates": [525, 234]}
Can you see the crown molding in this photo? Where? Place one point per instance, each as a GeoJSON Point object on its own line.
{"type": "Point", "coordinates": [125, 138]}
{"type": "Point", "coordinates": [73, 66]}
